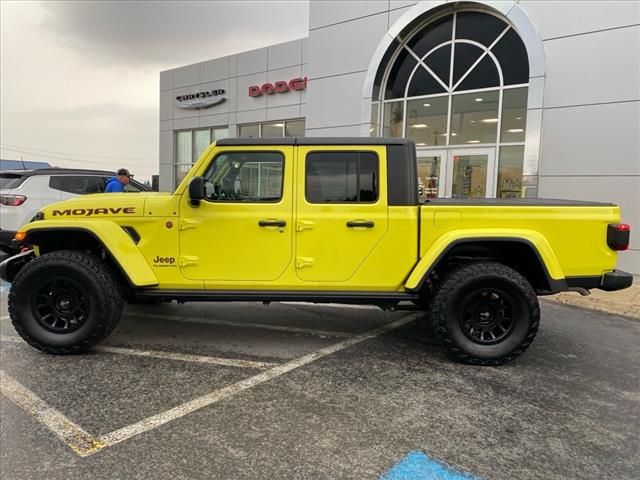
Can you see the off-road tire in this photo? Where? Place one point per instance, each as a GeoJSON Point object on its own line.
{"type": "Point", "coordinates": [97, 286]}
{"type": "Point", "coordinates": [449, 313]}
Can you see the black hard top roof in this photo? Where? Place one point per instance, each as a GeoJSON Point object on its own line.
{"type": "Point", "coordinates": [56, 171]}
{"type": "Point", "coordinates": [315, 141]}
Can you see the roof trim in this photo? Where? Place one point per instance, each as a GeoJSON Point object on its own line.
{"type": "Point", "coordinates": [313, 141]}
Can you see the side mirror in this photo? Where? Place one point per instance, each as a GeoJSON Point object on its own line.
{"type": "Point", "coordinates": [196, 190]}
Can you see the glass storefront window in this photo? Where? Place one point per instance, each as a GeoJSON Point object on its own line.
{"type": "Point", "coordinates": [510, 172]}
{"type": "Point", "coordinates": [427, 120]}
{"type": "Point", "coordinates": [294, 128]}
{"type": "Point", "coordinates": [428, 177]}
{"type": "Point", "coordinates": [201, 140]}
{"type": "Point", "coordinates": [249, 131]}
{"type": "Point", "coordinates": [392, 121]}
{"type": "Point", "coordinates": [469, 176]}
{"type": "Point", "coordinates": [455, 81]}
{"type": "Point", "coordinates": [219, 133]}
{"type": "Point", "coordinates": [181, 170]}
{"type": "Point", "coordinates": [474, 118]}
{"type": "Point", "coordinates": [274, 129]}
{"type": "Point", "coordinates": [514, 115]}
{"type": "Point", "coordinates": [184, 147]}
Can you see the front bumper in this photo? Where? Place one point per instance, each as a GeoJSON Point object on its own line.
{"type": "Point", "coordinates": [6, 236]}
{"type": "Point", "coordinates": [609, 282]}
{"type": "Point", "coordinates": [12, 265]}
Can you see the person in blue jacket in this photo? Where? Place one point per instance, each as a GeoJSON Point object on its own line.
{"type": "Point", "coordinates": [117, 183]}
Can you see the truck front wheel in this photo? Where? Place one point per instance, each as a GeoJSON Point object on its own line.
{"type": "Point", "coordinates": [485, 313]}
{"type": "Point", "coordinates": [64, 302]}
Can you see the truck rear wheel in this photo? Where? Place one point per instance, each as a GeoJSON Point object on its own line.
{"type": "Point", "coordinates": [485, 313]}
{"type": "Point", "coordinates": [64, 302]}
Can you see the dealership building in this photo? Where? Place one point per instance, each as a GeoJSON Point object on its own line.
{"type": "Point", "coordinates": [502, 98]}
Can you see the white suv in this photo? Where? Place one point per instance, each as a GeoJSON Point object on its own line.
{"type": "Point", "coordinates": [24, 192]}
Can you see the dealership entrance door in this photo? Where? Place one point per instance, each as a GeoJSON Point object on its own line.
{"type": "Point", "coordinates": [457, 173]}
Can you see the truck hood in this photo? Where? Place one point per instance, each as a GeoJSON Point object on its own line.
{"type": "Point", "coordinates": [103, 205]}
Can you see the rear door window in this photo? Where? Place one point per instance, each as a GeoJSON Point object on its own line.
{"type": "Point", "coordinates": [78, 184]}
{"type": "Point", "coordinates": [341, 177]}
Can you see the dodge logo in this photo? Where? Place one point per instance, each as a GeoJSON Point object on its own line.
{"type": "Point", "coordinates": [278, 87]}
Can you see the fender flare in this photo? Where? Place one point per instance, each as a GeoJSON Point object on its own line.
{"type": "Point", "coordinates": [114, 239]}
{"type": "Point", "coordinates": [533, 239]}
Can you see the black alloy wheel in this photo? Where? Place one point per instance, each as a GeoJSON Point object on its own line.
{"type": "Point", "coordinates": [60, 305]}
{"type": "Point", "coordinates": [487, 316]}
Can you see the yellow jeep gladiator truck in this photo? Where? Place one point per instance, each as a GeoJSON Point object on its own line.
{"type": "Point", "coordinates": [317, 220]}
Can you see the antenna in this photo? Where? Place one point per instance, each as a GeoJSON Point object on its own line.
{"type": "Point", "coordinates": [23, 167]}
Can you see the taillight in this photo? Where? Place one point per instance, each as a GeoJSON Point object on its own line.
{"type": "Point", "coordinates": [618, 236]}
{"type": "Point", "coordinates": [12, 200]}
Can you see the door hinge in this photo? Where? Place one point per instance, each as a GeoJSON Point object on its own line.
{"type": "Point", "coordinates": [188, 261]}
{"type": "Point", "coordinates": [187, 224]}
{"type": "Point", "coordinates": [304, 262]}
{"type": "Point", "coordinates": [304, 225]}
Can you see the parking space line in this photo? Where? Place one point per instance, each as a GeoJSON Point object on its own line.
{"type": "Point", "coordinates": [183, 357]}
{"type": "Point", "coordinates": [3, 318]}
{"type": "Point", "coordinates": [84, 444]}
{"type": "Point", "coordinates": [261, 326]}
{"type": "Point", "coordinates": [160, 419]}
{"type": "Point", "coordinates": [80, 441]}
{"type": "Point", "coordinates": [229, 362]}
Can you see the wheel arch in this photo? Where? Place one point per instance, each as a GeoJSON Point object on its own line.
{"type": "Point", "coordinates": [119, 247]}
{"type": "Point", "coordinates": [532, 257]}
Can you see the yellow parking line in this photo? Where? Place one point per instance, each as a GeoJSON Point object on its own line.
{"type": "Point", "coordinates": [80, 441]}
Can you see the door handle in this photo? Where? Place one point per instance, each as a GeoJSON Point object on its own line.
{"type": "Point", "coordinates": [360, 224]}
{"type": "Point", "coordinates": [272, 223]}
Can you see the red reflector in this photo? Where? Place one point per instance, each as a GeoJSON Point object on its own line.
{"type": "Point", "coordinates": [623, 227]}
{"type": "Point", "coordinates": [12, 200]}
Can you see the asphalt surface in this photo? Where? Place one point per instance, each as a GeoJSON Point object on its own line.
{"type": "Point", "coordinates": [568, 409]}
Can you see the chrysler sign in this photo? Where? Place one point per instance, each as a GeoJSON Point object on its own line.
{"type": "Point", "coordinates": [278, 87]}
{"type": "Point", "coordinates": [204, 99]}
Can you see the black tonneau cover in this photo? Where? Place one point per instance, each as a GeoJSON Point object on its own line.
{"type": "Point", "coordinates": [515, 202]}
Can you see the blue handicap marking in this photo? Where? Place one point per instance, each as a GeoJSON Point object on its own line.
{"type": "Point", "coordinates": [419, 466]}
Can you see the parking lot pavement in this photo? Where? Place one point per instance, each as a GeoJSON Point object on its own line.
{"type": "Point", "coordinates": [296, 391]}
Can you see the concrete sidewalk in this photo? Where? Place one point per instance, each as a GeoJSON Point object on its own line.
{"type": "Point", "coordinates": [623, 302]}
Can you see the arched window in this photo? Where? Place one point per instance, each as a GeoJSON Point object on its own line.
{"type": "Point", "coordinates": [454, 82]}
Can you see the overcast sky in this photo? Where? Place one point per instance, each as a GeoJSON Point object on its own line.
{"type": "Point", "coordinates": [79, 80]}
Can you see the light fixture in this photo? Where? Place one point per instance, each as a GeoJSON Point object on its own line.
{"type": "Point", "coordinates": [472, 121]}
{"type": "Point", "coordinates": [371, 130]}
{"type": "Point", "coordinates": [443, 134]}
{"type": "Point", "coordinates": [278, 124]}
{"type": "Point", "coordinates": [454, 134]}
{"type": "Point", "coordinates": [420, 144]}
{"type": "Point", "coordinates": [472, 141]}
{"type": "Point", "coordinates": [515, 130]}
{"type": "Point", "coordinates": [419, 125]}
{"type": "Point", "coordinates": [518, 118]}
{"type": "Point", "coordinates": [479, 99]}
{"type": "Point", "coordinates": [489, 120]}
{"type": "Point", "coordinates": [427, 104]}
